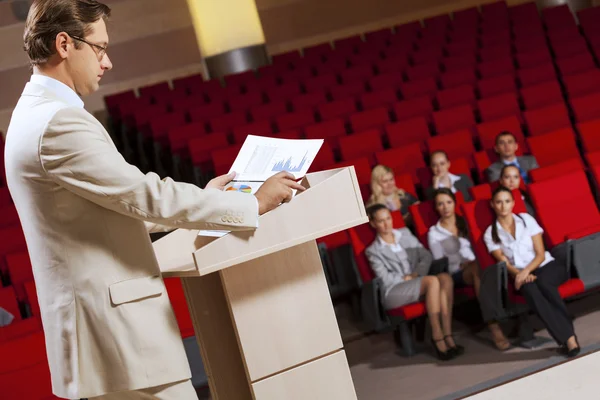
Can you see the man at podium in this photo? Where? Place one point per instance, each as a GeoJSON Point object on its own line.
{"type": "Point", "coordinates": [86, 213]}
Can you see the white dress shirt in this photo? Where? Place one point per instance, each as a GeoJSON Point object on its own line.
{"type": "Point", "coordinates": [453, 180]}
{"type": "Point", "coordinates": [61, 90]}
{"type": "Point", "coordinates": [442, 243]}
{"type": "Point", "coordinates": [519, 250]}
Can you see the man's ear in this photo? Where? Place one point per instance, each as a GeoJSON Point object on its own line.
{"type": "Point", "coordinates": [61, 43]}
{"type": "Point", "coordinates": [496, 149]}
{"type": "Point", "coordinates": [517, 147]}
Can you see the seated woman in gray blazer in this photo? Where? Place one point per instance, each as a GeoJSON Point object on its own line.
{"type": "Point", "coordinates": [402, 263]}
{"type": "Point", "coordinates": [442, 178]}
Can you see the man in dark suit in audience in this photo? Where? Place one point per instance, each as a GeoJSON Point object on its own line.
{"type": "Point", "coordinates": [506, 147]}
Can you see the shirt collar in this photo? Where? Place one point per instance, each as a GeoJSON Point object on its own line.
{"type": "Point", "coordinates": [61, 90]}
{"type": "Point", "coordinates": [518, 228]}
{"type": "Point", "coordinates": [453, 178]}
{"type": "Point", "coordinates": [441, 229]}
{"type": "Point", "coordinates": [514, 162]}
{"type": "Point", "coordinates": [397, 236]}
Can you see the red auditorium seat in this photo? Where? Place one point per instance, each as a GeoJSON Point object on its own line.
{"type": "Point", "coordinates": [32, 299]}
{"type": "Point", "coordinates": [320, 51]}
{"type": "Point", "coordinates": [417, 107]}
{"type": "Point", "coordinates": [379, 98]}
{"type": "Point", "coordinates": [114, 100]}
{"type": "Point", "coordinates": [454, 119]}
{"type": "Point", "coordinates": [259, 128]}
{"type": "Point", "coordinates": [582, 84]}
{"type": "Point", "coordinates": [453, 64]}
{"type": "Point", "coordinates": [246, 101]}
{"type": "Point", "coordinates": [535, 75]}
{"type": "Point", "coordinates": [487, 132]}
{"type": "Point", "coordinates": [423, 71]}
{"type": "Point", "coordinates": [375, 118]}
{"type": "Point", "coordinates": [389, 80]}
{"type": "Point", "coordinates": [20, 271]}
{"type": "Point", "coordinates": [337, 109]}
{"type": "Point", "coordinates": [575, 64]}
{"type": "Point", "coordinates": [378, 36]}
{"type": "Point", "coordinates": [293, 134]}
{"type": "Point", "coordinates": [569, 47]}
{"type": "Point", "coordinates": [458, 78]}
{"type": "Point", "coordinates": [361, 166]}
{"type": "Point", "coordinates": [320, 83]}
{"type": "Point", "coordinates": [160, 125]}
{"type": "Point", "coordinates": [533, 59]}
{"type": "Point", "coordinates": [429, 58]}
{"type": "Point", "coordinates": [586, 108]}
{"type": "Point", "coordinates": [332, 66]}
{"type": "Point", "coordinates": [12, 240]}
{"type": "Point", "coordinates": [200, 149]}
{"type": "Point", "coordinates": [588, 133]}
{"type": "Point", "coordinates": [361, 144]}
{"type": "Point", "coordinates": [393, 66]}
{"type": "Point", "coordinates": [456, 96]}
{"type": "Point", "coordinates": [403, 160]}
{"type": "Point", "coordinates": [547, 119]}
{"type": "Point", "coordinates": [456, 145]}
{"type": "Point", "coordinates": [239, 79]}
{"type": "Point", "coordinates": [556, 169]}
{"type": "Point", "coordinates": [569, 193]}
{"type": "Point", "coordinates": [223, 158]}
{"type": "Point", "coordinates": [8, 301]}
{"type": "Point", "coordinates": [497, 85]}
{"type": "Point", "coordinates": [204, 112]}
{"type": "Point", "coordinates": [155, 91]}
{"type": "Point", "coordinates": [463, 47]}
{"type": "Point", "coordinates": [140, 119]}
{"type": "Point", "coordinates": [180, 136]}
{"type": "Point", "coordinates": [499, 54]}
{"type": "Point", "coordinates": [180, 307]}
{"type": "Point", "coordinates": [541, 95]}
{"type": "Point", "coordinates": [226, 122]}
{"type": "Point", "coordinates": [268, 111]}
{"type": "Point", "coordinates": [284, 92]}
{"type": "Point", "coordinates": [554, 147]}
{"type": "Point", "coordinates": [309, 100]}
{"type": "Point", "coordinates": [351, 43]}
{"type": "Point", "coordinates": [324, 159]}
{"type": "Point", "coordinates": [267, 82]}
{"type": "Point", "coordinates": [360, 73]}
{"type": "Point", "coordinates": [343, 91]}
{"type": "Point", "coordinates": [409, 131]}
{"type": "Point", "coordinates": [414, 89]}
{"type": "Point", "coordinates": [331, 131]}
{"type": "Point", "coordinates": [501, 106]}
{"type": "Point", "coordinates": [295, 120]}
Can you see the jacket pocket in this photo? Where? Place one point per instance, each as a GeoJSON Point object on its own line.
{"type": "Point", "coordinates": [135, 289]}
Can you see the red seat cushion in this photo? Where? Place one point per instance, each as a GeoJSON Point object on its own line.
{"type": "Point", "coordinates": [409, 311]}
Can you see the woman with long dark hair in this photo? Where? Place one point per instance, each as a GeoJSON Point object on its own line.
{"type": "Point", "coordinates": [449, 238]}
{"type": "Point", "coordinates": [517, 240]}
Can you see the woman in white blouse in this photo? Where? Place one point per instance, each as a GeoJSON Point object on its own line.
{"type": "Point", "coordinates": [448, 238]}
{"type": "Point", "coordinates": [517, 240]}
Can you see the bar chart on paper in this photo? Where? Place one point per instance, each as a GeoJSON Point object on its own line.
{"type": "Point", "coordinates": [262, 157]}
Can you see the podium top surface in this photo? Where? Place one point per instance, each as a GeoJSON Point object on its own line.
{"type": "Point", "coordinates": [331, 203]}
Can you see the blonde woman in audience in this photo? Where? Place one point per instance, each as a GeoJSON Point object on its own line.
{"type": "Point", "coordinates": [384, 191]}
{"type": "Point", "coordinates": [510, 177]}
{"type": "Point", "coordinates": [449, 238]}
{"type": "Point", "coordinates": [443, 178]}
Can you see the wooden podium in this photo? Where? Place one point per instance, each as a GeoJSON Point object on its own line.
{"type": "Point", "coordinates": [259, 300]}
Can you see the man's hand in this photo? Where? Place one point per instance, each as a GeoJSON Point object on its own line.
{"type": "Point", "coordinates": [220, 181]}
{"type": "Point", "coordinates": [276, 190]}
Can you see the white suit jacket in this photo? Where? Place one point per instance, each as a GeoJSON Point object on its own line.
{"type": "Point", "coordinates": [86, 214]}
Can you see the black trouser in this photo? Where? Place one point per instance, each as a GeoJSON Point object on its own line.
{"type": "Point", "coordinates": [543, 298]}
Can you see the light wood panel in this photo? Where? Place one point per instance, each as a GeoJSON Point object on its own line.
{"type": "Point", "coordinates": [282, 310]}
{"type": "Point", "coordinates": [329, 377]}
{"type": "Point", "coordinates": [216, 337]}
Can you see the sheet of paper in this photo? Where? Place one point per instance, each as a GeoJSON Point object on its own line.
{"type": "Point", "coordinates": [262, 157]}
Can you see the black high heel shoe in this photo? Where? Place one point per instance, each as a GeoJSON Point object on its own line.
{"type": "Point", "coordinates": [573, 352]}
{"type": "Point", "coordinates": [456, 350]}
{"type": "Point", "coordinates": [441, 355]}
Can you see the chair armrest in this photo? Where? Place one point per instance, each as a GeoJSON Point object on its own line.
{"type": "Point", "coordinates": [438, 266]}
{"type": "Point", "coordinates": [493, 292]}
{"type": "Point", "coordinates": [371, 301]}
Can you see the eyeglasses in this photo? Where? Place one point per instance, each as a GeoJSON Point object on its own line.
{"type": "Point", "coordinates": [99, 50]}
